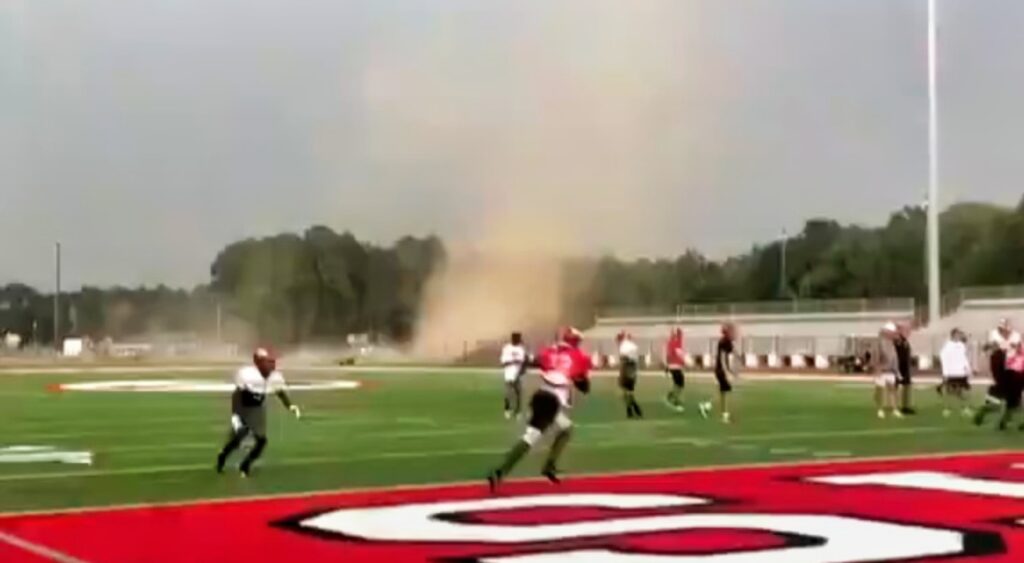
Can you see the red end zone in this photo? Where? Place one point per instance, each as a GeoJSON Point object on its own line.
{"type": "Point", "coordinates": [962, 508]}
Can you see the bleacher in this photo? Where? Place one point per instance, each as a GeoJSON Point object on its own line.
{"type": "Point", "coordinates": [775, 334]}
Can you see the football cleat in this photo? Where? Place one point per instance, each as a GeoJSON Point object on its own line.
{"type": "Point", "coordinates": [726, 418]}
{"type": "Point", "coordinates": [881, 414]}
{"type": "Point", "coordinates": [705, 409]}
{"type": "Point", "coordinates": [551, 472]}
{"type": "Point", "coordinates": [493, 481]}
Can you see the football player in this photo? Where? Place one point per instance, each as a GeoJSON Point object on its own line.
{"type": "Point", "coordinates": [725, 371]}
{"type": "Point", "coordinates": [674, 365]}
{"type": "Point", "coordinates": [629, 366]}
{"type": "Point", "coordinates": [564, 367]}
{"type": "Point", "coordinates": [887, 369]}
{"type": "Point", "coordinates": [248, 410]}
{"type": "Point", "coordinates": [1000, 340]}
{"type": "Point", "coordinates": [513, 364]}
{"type": "Point", "coordinates": [956, 372]}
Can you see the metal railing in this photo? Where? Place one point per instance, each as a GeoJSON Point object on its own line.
{"type": "Point", "coordinates": [804, 306]}
{"type": "Point", "coordinates": [954, 299]}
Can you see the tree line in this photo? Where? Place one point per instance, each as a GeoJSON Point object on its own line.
{"type": "Point", "coordinates": [321, 286]}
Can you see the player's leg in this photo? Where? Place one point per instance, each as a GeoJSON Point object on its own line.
{"type": "Point", "coordinates": [236, 435]}
{"type": "Point", "coordinates": [544, 408]}
{"type": "Point", "coordinates": [674, 397]}
{"type": "Point", "coordinates": [993, 401]}
{"type": "Point", "coordinates": [1012, 400]}
{"type": "Point", "coordinates": [881, 397]}
{"type": "Point", "coordinates": [564, 426]}
{"type": "Point", "coordinates": [256, 419]}
{"type": "Point", "coordinates": [509, 399]}
{"type": "Point", "coordinates": [724, 390]}
{"type": "Point", "coordinates": [949, 396]}
{"type": "Point", "coordinates": [517, 397]}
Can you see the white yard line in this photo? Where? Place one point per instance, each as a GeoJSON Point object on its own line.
{"type": "Point", "coordinates": [36, 549]}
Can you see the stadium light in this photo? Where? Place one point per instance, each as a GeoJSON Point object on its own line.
{"type": "Point", "coordinates": [934, 288]}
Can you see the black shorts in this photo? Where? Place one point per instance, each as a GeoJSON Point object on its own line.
{"type": "Point", "coordinates": [956, 384]}
{"type": "Point", "coordinates": [723, 382]}
{"type": "Point", "coordinates": [678, 379]}
{"type": "Point", "coordinates": [544, 409]}
{"type": "Point", "coordinates": [1013, 387]}
{"type": "Point", "coordinates": [627, 378]}
{"type": "Point", "coordinates": [903, 379]}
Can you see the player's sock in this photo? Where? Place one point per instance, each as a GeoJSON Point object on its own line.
{"type": "Point", "coordinates": [254, 454]}
{"type": "Point", "coordinates": [512, 458]}
{"type": "Point", "coordinates": [557, 447]}
{"type": "Point", "coordinates": [985, 410]}
{"type": "Point", "coordinates": [232, 444]}
{"type": "Point", "coordinates": [637, 411]}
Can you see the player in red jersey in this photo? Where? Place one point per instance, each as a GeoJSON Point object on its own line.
{"type": "Point", "coordinates": [674, 364]}
{"type": "Point", "coordinates": [563, 367]}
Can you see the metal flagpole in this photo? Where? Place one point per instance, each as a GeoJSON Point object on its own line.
{"type": "Point", "coordinates": [934, 288]}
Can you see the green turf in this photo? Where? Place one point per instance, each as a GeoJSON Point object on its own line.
{"type": "Point", "coordinates": [406, 428]}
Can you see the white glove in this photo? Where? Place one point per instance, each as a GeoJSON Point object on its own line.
{"type": "Point", "coordinates": [295, 410]}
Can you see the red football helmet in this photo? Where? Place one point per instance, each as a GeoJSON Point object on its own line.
{"type": "Point", "coordinates": [572, 336]}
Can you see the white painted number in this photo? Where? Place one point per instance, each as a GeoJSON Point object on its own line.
{"type": "Point", "coordinates": [840, 539]}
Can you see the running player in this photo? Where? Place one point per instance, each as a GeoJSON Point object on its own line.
{"type": "Point", "coordinates": [563, 366]}
{"type": "Point", "coordinates": [1000, 340]}
{"type": "Point", "coordinates": [248, 410]}
{"type": "Point", "coordinates": [674, 365]}
{"type": "Point", "coordinates": [1013, 384]}
{"type": "Point", "coordinates": [513, 364]}
{"type": "Point", "coordinates": [725, 371]}
{"type": "Point", "coordinates": [629, 365]}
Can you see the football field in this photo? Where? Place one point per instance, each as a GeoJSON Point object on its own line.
{"type": "Point", "coordinates": [429, 427]}
{"type": "Point", "coordinates": [398, 430]}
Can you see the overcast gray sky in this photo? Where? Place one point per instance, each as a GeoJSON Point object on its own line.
{"type": "Point", "coordinates": [147, 134]}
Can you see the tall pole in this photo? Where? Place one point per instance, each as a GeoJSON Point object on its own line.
{"type": "Point", "coordinates": [782, 265]}
{"type": "Point", "coordinates": [56, 302]}
{"type": "Point", "coordinates": [934, 289]}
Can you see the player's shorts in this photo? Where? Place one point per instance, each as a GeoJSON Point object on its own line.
{"type": "Point", "coordinates": [254, 419]}
{"type": "Point", "coordinates": [724, 385]}
{"type": "Point", "coordinates": [1013, 387]}
{"type": "Point", "coordinates": [956, 384]}
{"type": "Point", "coordinates": [545, 410]}
{"type": "Point", "coordinates": [678, 378]}
{"type": "Point", "coordinates": [887, 379]}
{"type": "Point", "coordinates": [627, 377]}
{"type": "Point", "coordinates": [903, 379]}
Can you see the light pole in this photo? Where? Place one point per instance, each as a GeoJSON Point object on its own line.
{"type": "Point", "coordinates": [934, 288]}
{"type": "Point", "coordinates": [56, 301]}
{"type": "Point", "coordinates": [784, 241]}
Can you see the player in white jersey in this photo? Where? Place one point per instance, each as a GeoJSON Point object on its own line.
{"type": "Point", "coordinates": [629, 366]}
{"type": "Point", "coordinates": [248, 410]}
{"type": "Point", "coordinates": [513, 365]}
{"type": "Point", "coordinates": [956, 372]}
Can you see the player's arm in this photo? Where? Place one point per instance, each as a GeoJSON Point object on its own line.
{"type": "Point", "coordinates": [282, 395]}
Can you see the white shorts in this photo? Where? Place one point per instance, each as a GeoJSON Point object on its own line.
{"type": "Point", "coordinates": [885, 380]}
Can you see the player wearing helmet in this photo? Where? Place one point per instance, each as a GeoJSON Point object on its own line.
{"type": "Point", "coordinates": [564, 366]}
{"type": "Point", "coordinates": [248, 411]}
